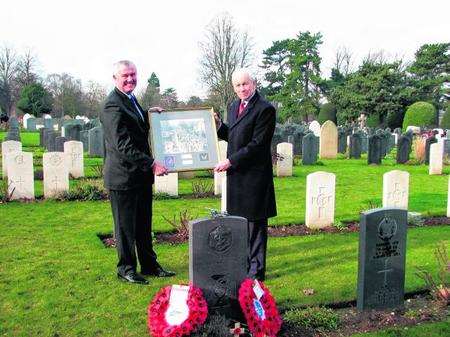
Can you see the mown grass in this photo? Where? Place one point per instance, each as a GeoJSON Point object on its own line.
{"type": "Point", "coordinates": [57, 279]}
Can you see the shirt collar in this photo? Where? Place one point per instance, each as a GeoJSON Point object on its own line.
{"type": "Point", "coordinates": [245, 101]}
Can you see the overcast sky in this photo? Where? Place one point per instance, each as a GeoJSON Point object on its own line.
{"type": "Point", "coordinates": [84, 38]}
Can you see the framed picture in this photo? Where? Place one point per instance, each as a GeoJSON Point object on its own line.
{"type": "Point", "coordinates": [184, 140]}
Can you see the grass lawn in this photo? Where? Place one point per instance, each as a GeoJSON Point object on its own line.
{"type": "Point", "coordinates": [57, 279]}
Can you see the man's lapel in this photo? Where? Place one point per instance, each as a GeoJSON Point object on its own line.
{"type": "Point", "coordinates": [247, 111]}
{"type": "Point", "coordinates": [130, 108]}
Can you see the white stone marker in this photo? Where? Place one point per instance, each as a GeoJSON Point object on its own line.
{"type": "Point", "coordinates": [320, 199]}
{"type": "Point", "coordinates": [435, 166]}
{"type": "Point", "coordinates": [56, 174]}
{"type": "Point", "coordinates": [328, 140]}
{"type": "Point", "coordinates": [284, 164]}
{"type": "Point", "coordinates": [218, 176]}
{"type": "Point", "coordinates": [396, 189]}
{"type": "Point", "coordinates": [223, 200]}
{"type": "Point", "coordinates": [314, 126]}
{"type": "Point", "coordinates": [8, 147]}
{"type": "Point", "coordinates": [167, 184]}
{"type": "Point", "coordinates": [74, 158]}
{"type": "Point", "coordinates": [20, 175]}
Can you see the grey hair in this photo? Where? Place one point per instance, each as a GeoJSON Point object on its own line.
{"type": "Point", "coordinates": [243, 71]}
{"type": "Point", "coordinates": [121, 63]}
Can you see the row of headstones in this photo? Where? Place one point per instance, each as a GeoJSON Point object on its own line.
{"type": "Point", "coordinates": [218, 260]}
{"type": "Point", "coordinates": [92, 139]}
{"type": "Point", "coordinates": [31, 123]}
{"type": "Point", "coordinates": [17, 167]}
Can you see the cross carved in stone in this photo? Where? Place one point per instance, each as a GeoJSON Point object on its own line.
{"type": "Point", "coordinates": [396, 194]}
{"type": "Point", "coordinates": [385, 271]}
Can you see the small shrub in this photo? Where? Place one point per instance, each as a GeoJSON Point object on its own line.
{"type": "Point", "coordinates": [420, 114]}
{"type": "Point", "coordinates": [327, 113]}
{"type": "Point", "coordinates": [85, 190]}
{"type": "Point", "coordinates": [339, 225]}
{"type": "Point", "coordinates": [322, 319]}
{"type": "Point", "coordinates": [439, 287]}
{"type": "Point", "coordinates": [415, 219]}
{"type": "Point", "coordinates": [163, 196]}
{"type": "Point", "coordinates": [98, 170]}
{"type": "Point", "coordinates": [419, 149]}
{"type": "Point", "coordinates": [5, 196]}
{"type": "Point", "coordinates": [372, 204]}
{"type": "Point", "coordinates": [202, 189]}
{"type": "Point", "coordinates": [181, 225]}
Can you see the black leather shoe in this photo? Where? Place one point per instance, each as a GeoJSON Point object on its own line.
{"type": "Point", "coordinates": [158, 272]}
{"type": "Point", "coordinates": [132, 277]}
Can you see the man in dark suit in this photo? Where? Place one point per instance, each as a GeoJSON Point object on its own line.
{"type": "Point", "coordinates": [128, 175]}
{"type": "Point", "coordinates": [250, 190]}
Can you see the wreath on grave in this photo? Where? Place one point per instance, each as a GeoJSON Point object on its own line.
{"type": "Point", "coordinates": [259, 308]}
{"type": "Point", "coordinates": [159, 311]}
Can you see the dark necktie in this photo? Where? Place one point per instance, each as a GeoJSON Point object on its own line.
{"type": "Point", "coordinates": [241, 108]}
{"type": "Point", "coordinates": [134, 101]}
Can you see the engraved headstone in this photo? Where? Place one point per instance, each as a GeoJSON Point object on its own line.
{"type": "Point", "coordinates": [403, 149]}
{"type": "Point", "coordinates": [74, 158]}
{"type": "Point", "coordinates": [436, 162]}
{"type": "Point", "coordinates": [428, 142]}
{"type": "Point", "coordinates": [96, 145]}
{"type": "Point", "coordinates": [218, 176]}
{"type": "Point", "coordinates": [218, 261]}
{"type": "Point", "coordinates": [320, 199]}
{"type": "Point", "coordinates": [56, 174]}
{"type": "Point", "coordinates": [20, 175]}
{"type": "Point", "coordinates": [309, 149]}
{"type": "Point", "coordinates": [355, 146]}
{"type": "Point", "coordinates": [374, 153]}
{"type": "Point", "coordinates": [396, 189]}
{"type": "Point", "coordinates": [285, 160]}
{"type": "Point", "coordinates": [167, 184]}
{"type": "Point", "coordinates": [8, 146]}
{"type": "Point", "coordinates": [382, 255]}
{"type": "Point", "coordinates": [328, 141]}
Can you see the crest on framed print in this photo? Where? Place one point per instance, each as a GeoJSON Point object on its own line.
{"type": "Point", "coordinates": [184, 140]}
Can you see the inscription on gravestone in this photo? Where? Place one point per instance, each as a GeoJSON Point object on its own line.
{"type": "Point", "coordinates": [382, 255]}
{"type": "Point", "coordinates": [218, 261]}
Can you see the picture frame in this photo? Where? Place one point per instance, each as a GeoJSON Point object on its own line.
{"type": "Point", "coordinates": [184, 139]}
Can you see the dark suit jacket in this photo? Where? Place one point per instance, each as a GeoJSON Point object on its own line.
{"type": "Point", "coordinates": [250, 190]}
{"type": "Point", "coordinates": [128, 159]}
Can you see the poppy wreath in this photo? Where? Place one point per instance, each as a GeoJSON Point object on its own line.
{"type": "Point", "coordinates": [261, 314]}
{"type": "Point", "coordinates": [156, 320]}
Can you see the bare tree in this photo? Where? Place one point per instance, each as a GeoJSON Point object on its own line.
{"type": "Point", "coordinates": [224, 49]}
{"type": "Point", "coordinates": [94, 95]}
{"type": "Point", "coordinates": [343, 62]}
{"type": "Point", "coordinates": [8, 83]}
{"type": "Point", "coordinates": [26, 68]}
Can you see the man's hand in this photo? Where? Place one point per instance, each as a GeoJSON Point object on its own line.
{"type": "Point", "coordinates": [217, 120]}
{"type": "Point", "coordinates": [159, 169]}
{"type": "Point", "coordinates": [156, 109]}
{"type": "Point", "coordinates": [222, 166]}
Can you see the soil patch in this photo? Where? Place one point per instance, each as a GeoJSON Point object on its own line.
{"type": "Point", "coordinates": [280, 231]}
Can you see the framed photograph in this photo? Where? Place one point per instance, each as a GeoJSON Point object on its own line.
{"type": "Point", "coordinates": [184, 140]}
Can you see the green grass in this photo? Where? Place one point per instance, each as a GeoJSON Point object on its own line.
{"type": "Point", "coordinates": [57, 279]}
{"type": "Point", "coordinates": [439, 329]}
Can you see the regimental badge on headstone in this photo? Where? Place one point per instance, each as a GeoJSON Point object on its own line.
{"type": "Point", "coordinates": [382, 255]}
{"type": "Point", "coordinates": [218, 261]}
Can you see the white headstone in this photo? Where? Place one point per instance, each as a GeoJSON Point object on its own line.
{"type": "Point", "coordinates": [285, 162]}
{"type": "Point", "coordinates": [315, 128]}
{"type": "Point", "coordinates": [56, 174]}
{"type": "Point", "coordinates": [320, 199]}
{"type": "Point", "coordinates": [223, 200]}
{"type": "Point", "coordinates": [435, 166]}
{"type": "Point", "coordinates": [395, 138]}
{"type": "Point", "coordinates": [74, 157]}
{"type": "Point", "coordinates": [396, 189]}
{"type": "Point", "coordinates": [167, 184]}
{"type": "Point", "coordinates": [25, 119]}
{"type": "Point", "coordinates": [20, 175]}
{"type": "Point", "coordinates": [328, 140]}
{"type": "Point", "coordinates": [218, 176]}
{"type": "Point", "coordinates": [8, 147]}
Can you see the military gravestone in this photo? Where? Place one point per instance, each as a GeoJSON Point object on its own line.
{"type": "Point", "coordinates": [382, 255]}
{"type": "Point", "coordinates": [218, 261]}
